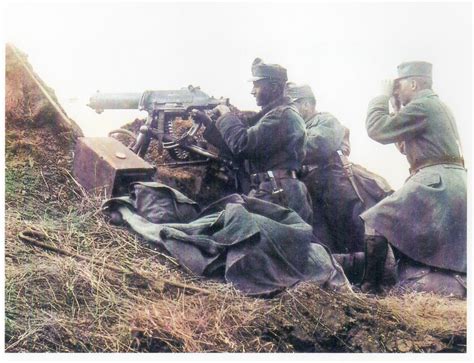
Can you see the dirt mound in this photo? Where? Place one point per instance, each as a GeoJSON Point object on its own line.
{"type": "Point", "coordinates": [29, 102]}
{"type": "Point", "coordinates": [99, 288]}
{"type": "Point", "coordinates": [39, 140]}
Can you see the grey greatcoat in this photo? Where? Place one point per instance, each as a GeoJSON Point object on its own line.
{"type": "Point", "coordinates": [336, 206]}
{"type": "Point", "coordinates": [275, 142]}
{"type": "Point", "coordinates": [426, 218]}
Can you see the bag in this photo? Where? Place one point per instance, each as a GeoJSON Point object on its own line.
{"type": "Point", "coordinates": [160, 203]}
{"type": "Point", "coordinates": [373, 187]}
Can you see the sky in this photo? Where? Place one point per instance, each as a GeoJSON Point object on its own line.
{"type": "Point", "coordinates": [342, 50]}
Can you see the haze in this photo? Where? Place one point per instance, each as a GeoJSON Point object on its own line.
{"type": "Point", "coordinates": [341, 50]}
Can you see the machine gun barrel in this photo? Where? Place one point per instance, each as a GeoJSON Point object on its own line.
{"type": "Point", "coordinates": [114, 101]}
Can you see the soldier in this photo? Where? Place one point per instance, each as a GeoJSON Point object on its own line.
{"type": "Point", "coordinates": [424, 222]}
{"type": "Point", "coordinates": [272, 141]}
{"type": "Point", "coordinates": [337, 194]}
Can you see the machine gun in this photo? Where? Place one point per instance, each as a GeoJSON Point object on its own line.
{"type": "Point", "coordinates": [163, 108]}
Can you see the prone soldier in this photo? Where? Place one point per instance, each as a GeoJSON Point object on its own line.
{"type": "Point", "coordinates": [423, 224]}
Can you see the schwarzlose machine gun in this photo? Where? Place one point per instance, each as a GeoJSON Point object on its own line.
{"type": "Point", "coordinates": [164, 107]}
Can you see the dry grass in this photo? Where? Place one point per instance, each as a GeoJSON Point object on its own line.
{"type": "Point", "coordinates": [61, 304]}
{"type": "Point", "coordinates": [428, 313]}
{"type": "Point", "coordinates": [221, 321]}
{"type": "Point", "coordinates": [57, 303]}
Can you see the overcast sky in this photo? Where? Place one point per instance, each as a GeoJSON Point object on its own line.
{"type": "Point", "coordinates": [341, 50]}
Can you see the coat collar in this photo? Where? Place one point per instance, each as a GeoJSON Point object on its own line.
{"type": "Point", "coordinates": [313, 116]}
{"type": "Point", "coordinates": [424, 93]}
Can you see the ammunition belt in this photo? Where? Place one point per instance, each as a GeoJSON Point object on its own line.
{"type": "Point", "coordinates": [258, 178]}
{"type": "Point", "coordinates": [455, 160]}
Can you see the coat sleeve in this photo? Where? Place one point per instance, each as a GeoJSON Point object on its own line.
{"type": "Point", "coordinates": [234, 133]}
{"type": "Point", "coordinates": [390, 128]}
{"type": "Point", "coordinates": [212, 135]}
{"type": "Point", "coordinates": [324, 137]}
{"type": "Point", "coordinates": [268, 135]}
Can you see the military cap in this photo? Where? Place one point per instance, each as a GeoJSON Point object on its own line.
{"type": "Point", "coordinates": [295, 91]}
{"type": "Point", "coordinates": [414, 69]}
{"type": "Point", "coordinates": [261, 70]}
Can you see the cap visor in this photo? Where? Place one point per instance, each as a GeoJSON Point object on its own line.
{"type": "Point", "coordinates": [399, 78]}
{"type": "Point", "coordinates": [253, 79]}
{"type": "Point", "coordinates": [412, 75]}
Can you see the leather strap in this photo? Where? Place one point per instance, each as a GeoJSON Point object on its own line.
{"type": "Point", "coordinates": [455, 160]}
{"type": "Point", "coordinates": [257, 178]}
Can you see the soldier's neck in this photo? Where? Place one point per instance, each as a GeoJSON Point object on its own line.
{"type": "Point", "coordinates": [268, 107]}
{"type": "Point", "coordinates": [274, 103]}
{"type": "Point", "coordinates": [311, 115]}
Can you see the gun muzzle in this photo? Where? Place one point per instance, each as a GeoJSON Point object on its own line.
{"type": "Point", "coordinates": [114, 101]}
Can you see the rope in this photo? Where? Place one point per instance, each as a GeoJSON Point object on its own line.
{"type": "Point", "coordinates": [28, 237]}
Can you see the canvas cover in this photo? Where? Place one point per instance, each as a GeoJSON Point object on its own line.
{"type": "Point", "coordinates": [258, 246]}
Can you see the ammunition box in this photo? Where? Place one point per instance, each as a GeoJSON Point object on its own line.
{"type": "Point", "coordinates": [104, 166]}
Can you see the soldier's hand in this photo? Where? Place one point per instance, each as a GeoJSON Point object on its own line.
{"type": "Point", "coordinates": [395, 102]}
{"type": "Point", "coordinates": [386, 87]}
{"type": "Point", "coordinates": [221, 110]}
{"type": "Point", "coordinates": [201, 116]}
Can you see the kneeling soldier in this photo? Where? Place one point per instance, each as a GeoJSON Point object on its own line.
{"type": "Point", "coordinates": [424, 222]}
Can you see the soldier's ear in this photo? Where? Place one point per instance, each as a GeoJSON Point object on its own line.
{"type": "Point", "coordinates": [413, 85]}
{"type": "Point", "coordinates": [277, 87]}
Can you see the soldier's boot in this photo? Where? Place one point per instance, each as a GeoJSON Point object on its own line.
{"type": "Point", "coordinates": [390, 273]}
{"type": "Point", "coordinates": [353, 265]}
{"type": "Point", "coordinates": [376, 249]}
